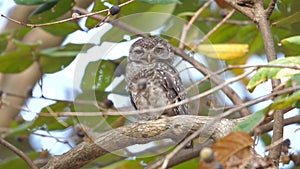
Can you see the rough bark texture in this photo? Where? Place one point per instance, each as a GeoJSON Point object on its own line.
{"type": "Point", "coordinates": [137, 133]}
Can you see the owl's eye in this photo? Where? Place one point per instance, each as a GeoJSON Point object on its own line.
{"type": "Point", "coordinates": [158, 50]}
{"type": "Point", "coordinates": [138, 52]}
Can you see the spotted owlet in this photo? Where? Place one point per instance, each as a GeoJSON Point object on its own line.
{"type": "Point", "coordinates": [152, 80]}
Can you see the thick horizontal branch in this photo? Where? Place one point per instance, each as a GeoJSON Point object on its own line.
{"type": "Point", "coordinates": [137, 133]}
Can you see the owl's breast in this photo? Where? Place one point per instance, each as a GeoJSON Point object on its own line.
{"type": "Point", "coordinates": [147, 92]}
{"type": "Point", "coordinates": [151, 96]}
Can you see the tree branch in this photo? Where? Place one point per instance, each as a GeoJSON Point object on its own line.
{"type": "Point", "coordinates": [232, 95]}
{"type": "Point", "coordinates": [270, 8]}
{"type": "Point", "coordinates": [64, 20]}
{"type": "Point", "coordinates": [268, 127]}
{"type": "Point", "coordinates": [18, 152]}
{"type": "Point", "coordinates": [261, 19]}
{"type": "Point", "coordinates": [258, 14]}
{"type": "Point", "coordinates": [181, 156]}
{"type": "Point", "coordinates": [233, 22]}
{"type": "Point", "coordinates": [187, 27]}
{"type": "Point", "coordinates": [214, 29]}
{"type": "Point", "coordinates": [247, 11]}
{"type": "Point", "coordinates": [136, 133]}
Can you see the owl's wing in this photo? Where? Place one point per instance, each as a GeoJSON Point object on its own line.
{"type": "Point", "coordinates": [174, 87]}
{"type": "Point", "coordinates": [132, 101]}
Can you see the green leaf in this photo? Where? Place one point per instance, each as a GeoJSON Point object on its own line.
{"type": "Point", "coordinates": [98, 75]}
{"type": "Point", "coordinates": [27, 46]}
{"type": "Point", "coordinates": [56, 59]}
{"type": "Point", "coordinates": [52, 64]}
{"type": "Point", "coordinates": [291, 46]}
{"type": "Point", "coordinates": [154, 22]}
{"type": "Point", "coordinates": [17, 162]}
{"type": "Point", "coordinates": [62, 29]}
{"type": "Point", "coordinates": [137, 14]}
{"type": "Point", "coordinates": [249, 124]}
{"type": "Point", "coordinates": [288, 20]}
{"type": "Point", "coordinates": [98, 5]}
{"type": "Point", "coordinates": [187, 6]}
{"type": "Point", "coordinates": [107, 122]}
{"type": "Point", "coordinates": [15, 62]}
{"type": "Point", "coordinates": [53, 123]}
{"type": "Point", "coordinates": [3, 41]}
{"type": "Point", "coordinates": [284, 102]}
{"type": "Point", "coordinates": [21, 32]}
{"type": "Point", "coordinates": [20, 59]}
{"type": "Point", "coordinates": [33, 2]}
{"type": "Point", "coordinates": [224, 33]}
{"type": "Point", "coordinates": [51, 10]}
{"type": "Point", "coordinates": [266, 73]}
{"type": "Point", "coordinates": [20, 129]}
{"type": "Point", "coordinates": [161, 1]}
{"type": "Point", "coordinates": [266, 138]}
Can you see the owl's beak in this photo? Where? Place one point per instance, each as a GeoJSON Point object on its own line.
{"type": "Point", "coordinates": [149, 58]}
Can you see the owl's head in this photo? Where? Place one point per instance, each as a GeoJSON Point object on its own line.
{"type": "Point", "coordinates": [151, 50]}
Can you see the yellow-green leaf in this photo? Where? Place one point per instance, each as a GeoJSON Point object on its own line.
{"type": "Point", "coordinates": [288, 20]}
{"type": "Point", "coordinates": [285, 102]}
{"type": "Point", "coordinates": [224, 51]}
{"type": "Point", "coordinates": [291, 46]}
{"type": "Point", "coordinates": [266, 73]}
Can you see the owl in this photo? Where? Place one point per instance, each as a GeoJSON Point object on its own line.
{"type": "Point", "coordinates": [151, 79]}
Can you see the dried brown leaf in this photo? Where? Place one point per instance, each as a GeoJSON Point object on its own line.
{"type": "Point", "coordinates": [233, 150]}
{"type": "Point", "coordinates": [222, 3]}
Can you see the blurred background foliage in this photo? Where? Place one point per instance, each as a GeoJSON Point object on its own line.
{"type": "Point", "coordinates": [98, 76]}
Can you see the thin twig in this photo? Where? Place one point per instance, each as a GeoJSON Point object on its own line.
{"type": "Point", "coordinates": [182, 156]}
{"type": "Point", "coordinates": [247, 11]}
{"type": "Point", "coordinates": [246, 104]}
{"type": "Point", "coordinates": [209, 125]}
{"type": "Point", "coordinates": [116, 23]}
{"type": "Point", "coordinates": [227, 113]}
{"type": "Point", "coordinates": [269, 126]}
{"type": "Point", "coordinates": [274, 144]}
{"type": "Point", "coordinates": [264, 65]}
{"type": "Point", "coordinates": [194, 98]}
{"type": "Point", "coordinates": [56, 118]}
{"type": "Point", "coordinates": [260, 99]}
{"type": "Point", "coordinates": [232, 95]}
{"type": "Point", "coordinates": [18, 152]}
{"type": "Point", "coordinates": [213, 29]}
{"type": "Point", "coordinates": [178, 158]}
{"type": "Point", "coordinates": [233, 22]}
{"type": "Point", "coordinates": [229, 67]}
{"type": "Point", "coordinates": [62, 140]}
{"type": "Point", "coordinates": [187, 27]}
{"type": "Point", "coordinates": [64, 20]}
{"type": "Point", "coordinates": [109, 113]}
{"type": "Point", "coordinates": [270, 8]}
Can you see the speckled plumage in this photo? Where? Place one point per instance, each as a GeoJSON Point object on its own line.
{"type": "Point", "coordinates": [152, 80]}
